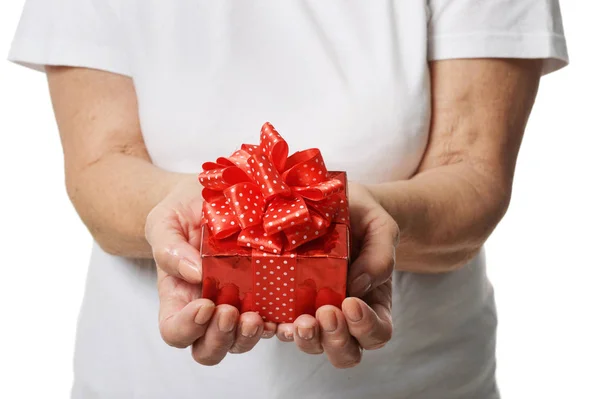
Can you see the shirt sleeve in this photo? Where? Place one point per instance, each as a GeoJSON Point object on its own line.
{"type": "Point", "coordinates": [79, 33]}
{"type": "Point", "coordinates": [497, 29]}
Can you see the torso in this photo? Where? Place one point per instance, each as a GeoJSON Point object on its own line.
{"type": "Point", "coordinates": [349, 77]}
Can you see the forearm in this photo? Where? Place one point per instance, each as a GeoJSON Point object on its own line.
{"type": "Point", "coordinates": [113, 197]}
{"type": "Point", "coordinates": [109, 175]}
{"type": "Point", "coordinates": [444, 214]}
{"type": "Point", "coordinates": [462, 187]}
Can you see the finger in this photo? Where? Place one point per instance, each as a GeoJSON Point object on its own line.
{"type": "Point", "coordinates": [285, 332]}
{"type": "Point", "coordinates": [307, 336]}
{"type": "Point", "coordinates": [341, 348]}
{"type": "Point", "coordinates": [183, 316]}
{"type": "Point", "coordinates": [372, 327]}
{"type": "Point", "coordinates": [249, 330]}
{"type": "Point", "coordinates": [210, 349]}
{"type": "Point", "coordinates": [377, 258]}
{"type": "Point", "coordinates": [269, 330]}
{"type": "Point", "coordinates": [182, 328]}
{"type": "Point", "coordinates": [172, 251]}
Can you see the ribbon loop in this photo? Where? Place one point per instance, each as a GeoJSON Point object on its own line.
{"type": "Point", "coordinates": [247, 203]}
{"type": "Point", "coordinates": [317, 227]}
{"type": "Point", "coordinates": [305, 168]}
{"type": "Point", "coordinates": [220, 176]}
{"type": "Point", "coordinates": [267, 177]}
{"type": "Point", "coordinates": [220, 217]}
{"type": "Point", "coordinates": [274, 146]}
{"type": "Point", "coordinates": [240, 159]}
{"type": "Point", "coordinates": [320, 191]}
{"type": "Point", "coordinates": [284, 213]}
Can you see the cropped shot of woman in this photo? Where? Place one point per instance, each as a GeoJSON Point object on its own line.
{"type": "Point", "coordinates": [422, 102]}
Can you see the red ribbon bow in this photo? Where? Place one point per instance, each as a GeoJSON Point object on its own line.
{"type": "Point", "coordinates": [268, 197]}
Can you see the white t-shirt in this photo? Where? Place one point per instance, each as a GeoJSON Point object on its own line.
{"type": "Point", "coordinates": [348, 76]}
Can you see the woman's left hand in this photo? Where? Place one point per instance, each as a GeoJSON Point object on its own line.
{"type": "Point", "coordinates": [364, 323]}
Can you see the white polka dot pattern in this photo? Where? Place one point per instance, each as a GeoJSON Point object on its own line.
{"type": "Point", "coordinates": [275, 201]}
{"type": "Point", "coordinates": [309, 168]}
{"type": "Point", "coordinates": [220, 218]}
{"type": "Point", "coordinates": [218, 176]}
{"type": "Point", "coordinates": [267, 177]}
{"type": "Point", "coordinates": [321, 191]}
{"type": "Point", "coordinates": [274, 146]}
{"type": "Point", "coordinates": [213, 178]}
{"type": "Point", "coordinates": [255, 237]}
{"type": "Point", "coordinates": [274, 286]}
{"type": "Point", "coordinates": [247, 203]}
{"type": "Point", "coordinates": [240, 159]}
{"type": "Point", "coordinates": [330, 207]}
{"type": "Point", "coordinates": [284, 213]}
{"type": "Point", "coordinates": [306, 232]}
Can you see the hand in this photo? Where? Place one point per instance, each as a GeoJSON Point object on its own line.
{"type": "Point", "coordinates": [361, 323]}
{"type": "Point", "coordinates": [173, 229]}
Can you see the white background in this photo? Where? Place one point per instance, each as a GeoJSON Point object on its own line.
{"type": "Point", "coordinates": [543, 258]}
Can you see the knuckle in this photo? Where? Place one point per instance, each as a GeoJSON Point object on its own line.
{"type": "Point", "coordinates": [389, 265]}
{"type": "Point", "coordinates": [383, 335]}
{"type": "Point", "coordinates": [149, 224]}
{"type": "Point", "coordinates": [379, 341]}
{"type": "Point", "coordinates": [348, 363]}
{"type": "Point", "coordinates": [311, 347]}
{"type": "Point", "coordinates": [285, 338]}
{"type": "Point", "coordinates": [364, 328]}
{"type": "Point", "coordinates": [395, 231]}
{"type": "Point", "coordinates": [339, 342]}
{"type": "Point", "coordinates": [242, 346]}
{"type": "Point", "coordinates": [312, 350]}
{"type": "Point", "coordinates": [205, 360]}
{"type": "Point", "coordinates": [387, 335]}
{"type": "Point", "coordinates": [162, 257]}
{"type": "Point", "coordinates": [375, 345]}
{"type": "Point", "coordinates": [171, 337]}
{"type": "Point", "coordinates": [173, 341]}
{"type": "Point", "coordinates": [219, 345]}
{"type": "Point", "coordinates": [386, 290]}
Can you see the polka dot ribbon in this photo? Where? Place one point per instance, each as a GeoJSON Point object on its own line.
{"type": "Point", "coordinates": [272, 201]}
{"type": "Point", "coordinates": [274, 293]}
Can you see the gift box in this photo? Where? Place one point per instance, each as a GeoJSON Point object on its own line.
{"type": "Point", "coordinates": [275, 236]}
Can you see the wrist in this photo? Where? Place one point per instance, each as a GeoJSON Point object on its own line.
{"type": "Point", "coordinates": [182, 187]}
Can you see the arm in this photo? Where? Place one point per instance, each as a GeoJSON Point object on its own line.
{"type": "Point", "coordinates": [463, 186]}
{"type": "Point", "coordinates": [135, 209]}
{"type": "Point", "coordinates": [109, 176]}
{"type": "Point", "coordinates": [444, 213]}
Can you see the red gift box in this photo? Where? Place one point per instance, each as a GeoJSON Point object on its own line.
{"type": "Point", "coordinates": [275, 238]}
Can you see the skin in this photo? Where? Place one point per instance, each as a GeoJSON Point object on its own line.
{"type": "Point", "coordinates": [434, 222]}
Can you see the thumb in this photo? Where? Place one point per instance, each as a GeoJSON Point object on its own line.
{"type": "Point", "coordinates": [377, 257]}
{"type": "Point", "coordinates": [172, 251]}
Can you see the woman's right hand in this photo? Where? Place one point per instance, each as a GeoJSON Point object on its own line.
{"type": "Point", "coordinates": [173, 229]}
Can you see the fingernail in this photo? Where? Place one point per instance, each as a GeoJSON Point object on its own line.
{"type": "Point", "coordinates": [189, 270]}
{"type": "Point", "coordinates": [288, 335]}
{"type": "Point", "coordinates": [360, 285]}
{"type": "Point", "coordinates": [204, 314]}
{"type": "Point", "coordinates": [329, 321]}
{"type": "Point", "coordinates": [306, 332]}
{"type": "Point", "coordinates": [248, 330]}
{"type": "Point", "coordinates": [226, 322]}
{"type": "Point", "coordinates": [267, 334]}
{"type": "Point", "coordinates": [354, 310]}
